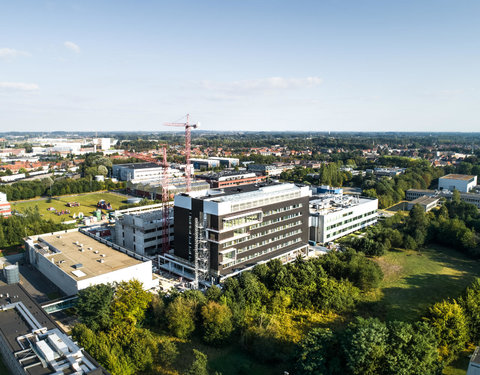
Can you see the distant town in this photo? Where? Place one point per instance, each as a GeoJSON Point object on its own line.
{"type": "Point", "coordinates": [207, 248]}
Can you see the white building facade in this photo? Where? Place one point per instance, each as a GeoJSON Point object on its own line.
{"type": "Point", "coordinates": [461, 182]}
{"type": "Point", "coordinates": [332, 216]}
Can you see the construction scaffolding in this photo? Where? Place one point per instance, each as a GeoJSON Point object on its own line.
{"type": "Point", "coordinates": [201, 254]}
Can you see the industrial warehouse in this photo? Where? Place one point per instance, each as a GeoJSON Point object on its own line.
{"type": "Point", "coordinates": [74, 260]}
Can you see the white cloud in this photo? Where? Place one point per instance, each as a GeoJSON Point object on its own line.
{"type": "Point", "coordinates": [10, 53]}
{"type": "Point", "coordinates": [72, 46]}
{"type": "Point", "coordinates": [262, 85]}
{"type": "Point", "coordinates": [18, 86]}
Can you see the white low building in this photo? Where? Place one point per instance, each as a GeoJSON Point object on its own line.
{"type": "Point", "coordinates": [334, 216]}
{"type": "Point", "coordinates": [461, 182]}
{"type": "Point", "coordinates": [74, 260]}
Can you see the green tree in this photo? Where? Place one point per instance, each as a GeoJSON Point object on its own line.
{"type": "Point", "coordinates": [199, 365]}
{"type": "Point", "coordinates": [216, 322]}
{"type": "Point", "coordinates": [93, 306]}
{"type": "Point", "coordinates": [365, 346]}
{"type": "Point", "coordinates": [450, 326]}
{"type": "Point", "coordinates": [412, 350]}
{"type": "Point", "coordinates": [319, 353]}
{"type": "Point", "coordinates": [168, 352]}
{"type": "Point", "coordinates": [180, 317]}
{"type": "Point", "coordinates": [129, 303]}
{"type": "Point", "coordinates": [470, 302]}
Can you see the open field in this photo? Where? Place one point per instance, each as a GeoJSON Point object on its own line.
{"type": "Point", "coordinates": [88, 204]}
{"type": "Point", "coordinates": [415, 280]}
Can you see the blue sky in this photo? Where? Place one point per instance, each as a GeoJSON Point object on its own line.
{"type": "Point", "coordinates": [240, 65]}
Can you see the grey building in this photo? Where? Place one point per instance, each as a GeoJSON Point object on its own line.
{"type": "Point", "coordinates": [142, 232]}
{"type": "Point", "coordinates": [242, 226]}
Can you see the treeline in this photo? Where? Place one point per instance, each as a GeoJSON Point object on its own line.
{"type": "Point", "coordinates": [266, 310]}
{"type": "Point", "coordinates": [369, 346]}
{"type": "Point", "coordinates": [327, 174]}
{"type": "Point", "coordinates": [48, 187]}
{"type": "Point", "coordinates": [454, 225]}
{"type": "Point", "coordinates": [389, 191]}
{"type": "Point", "coordinates": [13, 229]}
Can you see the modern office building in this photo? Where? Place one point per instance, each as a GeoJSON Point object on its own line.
{"type": "Point", "coordinates": [141, 172]}
{"type": "Point", "coordinates": [5, 208]}
{"type": "Point", "coordinates": [142, 231]}
{"type": "Point", "coordinates": [242, 226]}
{"type": "Point", "coordinates": [461, 182]}
{"type": "Point", "coordinates": [333, 216]}
{"type": "Point", "coordinates": [204, 163]}
{"type": "Point", "coordinates": [76, 259]}
{"type": "Point", "coordinates": [226, 162]}
{"type": "Point", "coordinates": [31, 343]}
{"type": "Point", "coordinates": [226, 179]}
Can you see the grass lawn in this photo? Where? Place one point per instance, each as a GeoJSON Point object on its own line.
{"type": "Point", "coordinates": [415, 280]}
{"type": "Point", "coordinates": [88, 204]}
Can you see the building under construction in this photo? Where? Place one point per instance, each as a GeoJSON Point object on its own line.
{"type": "Point", "coordinates": [154, 189]}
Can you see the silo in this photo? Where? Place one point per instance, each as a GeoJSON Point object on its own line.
{"type": "Point", "coordinates": [12, 274]}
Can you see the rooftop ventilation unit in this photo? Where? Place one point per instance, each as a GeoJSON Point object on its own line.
{"type": "Point", "coordinates": [77, 266]}
{"type": "Point", "coordinates": [96, 251]}
{"type": "Point", "coordinates": [101, 260]}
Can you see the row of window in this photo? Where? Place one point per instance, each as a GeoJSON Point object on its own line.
{"type": "Point", "coordinates": [260, 225]}
{"type": "Point", "coordinates": [229, 223]}
{"type": "Point", "coordinates": [352, 228]}
{"type": "Point", "coordinates": [261, 234]}
{"type": "Point", "coordinates": [265, 201]}
{"type": "Point", "coordinates": [350, 220]}
{"type": "Point", "coordinates": [282, 209]}
{"type": "Point", "coordinates": [268, 240]}
{"type": "Point", "coordinates": [265, 251]}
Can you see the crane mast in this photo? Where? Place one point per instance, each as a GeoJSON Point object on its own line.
{"type": "Point", "coordinates": [188, 146]}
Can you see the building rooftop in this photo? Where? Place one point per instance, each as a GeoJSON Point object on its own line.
{"type": "Point", "coordinates": [47, 348]}
{"type": "Point", "coordinates": [463, 177]}
{"type": "Point", "coordinates": [225, 174]}
{"type": "Point", "coordinates": [82, 257]}
{"type": "Point", "coordinates": [425, 200]}
{"type": "Point", "coordinates": [329, 203]}
{"type": "Point", "coordinates": [139, 165]}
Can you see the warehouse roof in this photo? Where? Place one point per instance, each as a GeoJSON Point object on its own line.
{"type": "Point", "coordinates": [463, 177]}
{"type": "Point", "coordinates": [81, 256]}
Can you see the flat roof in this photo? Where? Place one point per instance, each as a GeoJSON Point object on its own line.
{"type": "Point", "coordinates": [425, 200]}
{"type": "Point", "coordinates": [329, 203]}
{"type": "Point", "coordinates": [13, 325]}
{"type": "Point", "coordinates": [463, 177]}
{"type": "Point", "coordinates": [246, 192]}
{"type": "Point", "coordinates": [139, 165]}
{"type": "Point", "coordinates": [70, 254]}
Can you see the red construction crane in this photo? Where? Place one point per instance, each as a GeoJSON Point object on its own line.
{"type": "Point", "coordinates": [188, 128]}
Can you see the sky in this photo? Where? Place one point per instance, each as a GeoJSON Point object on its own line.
{"type": "Point", "coordinates": [323, 65]}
